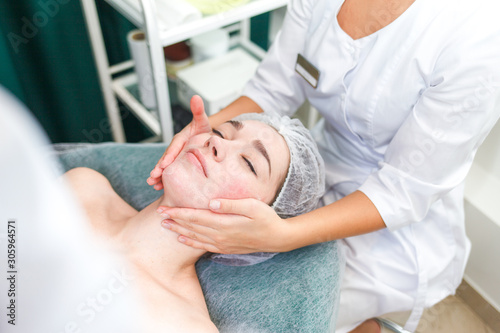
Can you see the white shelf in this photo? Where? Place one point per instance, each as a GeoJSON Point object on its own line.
{"type": "Point", "coordinates": [148, 117]}
{"type": "Point", "coordinates": [207, 23]}
{"type": "Point", "coordinates": [158, 121]}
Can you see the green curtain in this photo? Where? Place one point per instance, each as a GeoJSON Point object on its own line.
{"type": "Point", "coordinates": [8, 76]}
{"type": "Point", "coordinates": [46, 61]}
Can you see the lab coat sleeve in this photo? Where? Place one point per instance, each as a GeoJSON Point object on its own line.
{"type": "Point", "coordinates": [276, 86]}
{"type": "Point", "coordinates": [433, 150]}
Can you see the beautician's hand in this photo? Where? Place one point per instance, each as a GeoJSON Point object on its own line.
{"type": "Point", "coordinates": [198, 125]}
{"type": "Point", "coordinates": [233, 226]}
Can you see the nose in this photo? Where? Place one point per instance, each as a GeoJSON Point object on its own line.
{"type": "Point", "coordinates": [216, 148]}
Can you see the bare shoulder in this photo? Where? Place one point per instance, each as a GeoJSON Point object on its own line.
{"type": "Point", "coordinates": [89, 185]}
{"type": "Point", "coordinates": [98, 198]}
{"type": "Point", "coordinates": [83, 178]}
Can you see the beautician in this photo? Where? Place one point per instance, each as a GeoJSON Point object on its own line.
{"type": "Point", "coordinates": [408, 90]}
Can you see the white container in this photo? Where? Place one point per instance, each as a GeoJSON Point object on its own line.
{"type": "Point", "coordinates": [219, 81]}
{"type": "Point", "coordinates": [142, 63]}
{"type": "Point", "coordinates": [209, 45]}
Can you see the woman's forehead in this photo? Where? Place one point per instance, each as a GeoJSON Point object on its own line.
{"type": "Point", "coordinates": [273, 142]}
{"type": "Point", "coordinates": [255, 129]}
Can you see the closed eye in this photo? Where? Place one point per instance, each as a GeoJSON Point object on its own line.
{"type": "Point", "coordinates": [216, 132]}
{"type": "Point", "coordinates": [247, 161]}
{"type": "Point", "coordinates": [249, 165]}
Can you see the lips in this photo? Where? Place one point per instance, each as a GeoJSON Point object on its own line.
{"type": "Point", "coordinates": [198, 160]}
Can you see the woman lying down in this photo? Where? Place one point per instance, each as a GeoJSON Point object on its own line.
{"type": "Point", "coordinates": [270, 158]}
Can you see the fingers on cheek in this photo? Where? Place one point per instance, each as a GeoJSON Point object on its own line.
{"type": "Point", "coordinates": [172, 225]}
{"type": "Point", "coordinates": [185, 240]}
{"type": "Point", "coordinates": [168, 160]}
{"type": "Point", "coordinates": [185, 236]}
{"type": "Point", "coordinates": [219, 239]}
{"type": "Point", "coordinates": [166, 224]}
{"type": "Point", "coordinates": [185, 228]}
{"type": "Point", "coordinates": [198, 245]}
{"type": "Point", "coordinates": [183, 232]}
{"type": "Point", "coordinates": [190, 242]}
{"type": "Point", "coordinates": [211, 248]}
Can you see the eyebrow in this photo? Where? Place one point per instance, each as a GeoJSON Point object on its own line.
{"type": "Point", "coordinates": [238, 125]}
{"type": "Point", "coordinates": [261, 149]}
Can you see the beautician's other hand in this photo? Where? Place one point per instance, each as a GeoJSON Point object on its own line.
{"type": "Point", "coordinates": [198, 125]}
{"type": "Point", "coordinates": [230, 226]}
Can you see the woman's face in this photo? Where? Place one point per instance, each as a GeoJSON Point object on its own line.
{"type": "Point", "coordinates": [236, 160]}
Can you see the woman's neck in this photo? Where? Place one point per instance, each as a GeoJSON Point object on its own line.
{"type": "Point", "coordinates": [164, 271]}
{"type": "Point", "coordinates": [156, 250]}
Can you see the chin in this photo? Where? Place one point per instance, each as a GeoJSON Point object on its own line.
{"type": "Point", "coordinates": [181, 189]}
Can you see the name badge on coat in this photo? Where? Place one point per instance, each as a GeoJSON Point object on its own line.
{"type": "Point", "coordinates": [307, 71]}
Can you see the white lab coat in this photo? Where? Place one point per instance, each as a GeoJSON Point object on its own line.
{"type": "Point", "coordinates": [404, 111]}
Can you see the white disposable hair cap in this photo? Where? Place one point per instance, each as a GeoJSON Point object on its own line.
{"type": "Point", "coordinates": [304, 184]}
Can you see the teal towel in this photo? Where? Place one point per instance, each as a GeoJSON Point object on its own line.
{"type": "Point", "coordinates": [296, 291]}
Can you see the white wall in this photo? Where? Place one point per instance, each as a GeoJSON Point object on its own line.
{"type": "Point", "coordinates": [482, 218]}
{"type": "Point", "coordinates": [488, 155]}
